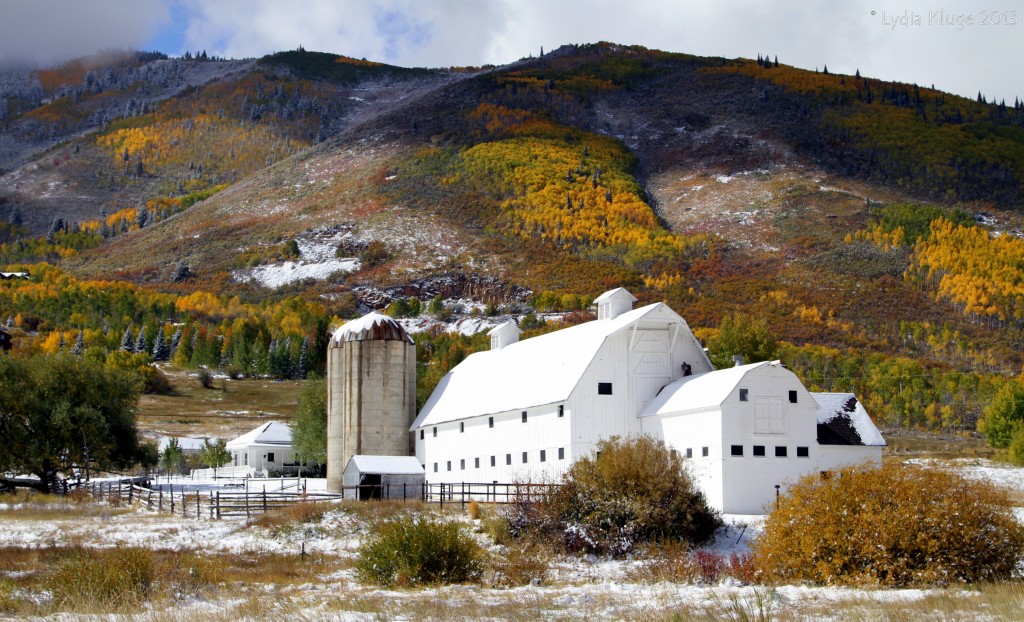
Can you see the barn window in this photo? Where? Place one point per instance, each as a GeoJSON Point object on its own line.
{"type": "Point", "coordinates": [476, 462]}
{"type": "Point", "coordinates": [246, 458]}
{"type": "Point", "coordinates": [490, 422]}
{"type": "Point", "coordinates": [493, 461]}
{"type": "Point", "coordinates": [737, 450]}
{"type": "Point", "coordinates": [435, 431]}
{"type": "Point", "coordinates": [561, 453]}
{"type": "Point", "coordinates": [743, 395]}
{"type": "Point", "coordinates": [704, 451]}
{"type": "Point", "coordinates": [508, 458]}
{"type": "Point", "coordinates": [759, 450]}
{"type": "Point", "coordinates": [689, 452]}
{"type": "Point", "coordinates": [780, 451]}
{"type": "Point", "coordinates": [604, 388]}
{"type": "Point", "coordinates": [270, 457]}
{"type": "Point", "coordinates": [421, 434]}
{"type": "Point", "coordinates": [792, 397]}
{"type": "Point", "coordinates": [449, 465]}
{"type": "Point", "coordinates": [561, 410]}
{"type": "Point", "coordinates": [543, 455]}
{"type": "Point", "coordinates": [524, 457]}
{"type": "Point", "coordinates": [435, 467]}
{"type": "Point", "coordinates": [524, 416]}
{"type": "Point", "coordinates": [803, 452]}
{"type": "Point", "coordinates": [462, 426]}
{"type": "Point", "coordinates": [462, 464]}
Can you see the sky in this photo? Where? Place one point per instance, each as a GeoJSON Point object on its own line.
{"type": "Point", "coordinates": [954, 45]}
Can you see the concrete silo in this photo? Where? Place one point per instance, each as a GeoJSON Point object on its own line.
{"type": "Point", "coordinates": [371, 393]}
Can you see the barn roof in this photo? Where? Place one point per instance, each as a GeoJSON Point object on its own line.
{"type": "Point", "coordinates": [372, 326]}
{"type": "Point", "coordinates": [842, 420]}
{"type": "Point", "coordinates": [533, 372]}
{"type": "Point", "coordinates": [269, 434]}
{"type": "Point", "coordinates": [387, 465]}
{"type": "Point", "coordinates": [699, 391]}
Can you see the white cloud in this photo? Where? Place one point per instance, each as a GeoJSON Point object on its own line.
{"type": "Point", "coordinates": [51, 31]}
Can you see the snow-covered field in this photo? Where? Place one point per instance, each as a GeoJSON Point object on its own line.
{"type": "Point", "coordinates": [572, 588]}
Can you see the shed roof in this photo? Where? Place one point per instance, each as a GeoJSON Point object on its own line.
{"type": "Point", "coordinates": [699, 391]}
{"type": "Point", "coordinates": [387, 465]}
{"type": "Point", "coordinates": [372, 326]}
{"type": "Point", "coordinates": [273, 433]}
{"type": "Point", "coordinates": [533, 372]}
{"type": "Point", "coordinates": [842, 420]}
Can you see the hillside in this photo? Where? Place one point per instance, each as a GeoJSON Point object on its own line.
{"type": "Point", "coordinates": [874, 226]}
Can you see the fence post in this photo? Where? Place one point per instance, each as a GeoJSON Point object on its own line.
{"type": "Point", "coordinates": [131, 489]}
{"type": "Point", "coordinates": [170, 490]}
{"type": "Point", "coordinates": [264, 498]}
{"type": "Point", "coordinates": [199, 509]}
{"type": "Point", "coordinates": [160, 501]}
{"type": "Point", "coordinates": [218, 505]}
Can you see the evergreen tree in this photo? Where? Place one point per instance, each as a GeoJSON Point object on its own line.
{"type": "Point", "coordinates": [303, 353]}
{"type": "Point", "coordinates": [140, 342]}
{"type": "Point", "coordinates": [161, 351]}
{"type": "Point", "coordinates": [127, 341]}
{"type": "Point", "coordinates": [79, 348]}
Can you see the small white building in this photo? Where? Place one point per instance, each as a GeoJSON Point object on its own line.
{"type": "Point", "coordinates": [266, 448]}
{"type": "Point", "coordinates": [524, 410]}
{"type": "Point", "coordinates": [384, 477]}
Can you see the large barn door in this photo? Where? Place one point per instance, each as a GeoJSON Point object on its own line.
{"type": "Point", "coordinates": [650, 362]}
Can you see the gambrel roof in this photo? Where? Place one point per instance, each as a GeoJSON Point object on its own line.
{"type": "Point", "coordinates": [535, 372]}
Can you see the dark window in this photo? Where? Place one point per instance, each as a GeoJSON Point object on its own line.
{"type": "Point", "coordinates": [737, 450]}
{"type": "Point", "coordinates": [543, 455]}
{"type": "Point", "coordinates": [524, 457]}
{"type": "Point", "coordinates": [524, 416]}
{"type": "Point", "coordinates": [493, 460]}
{"type": "Point", "coordinates": [792, 397]}
{"type": "Point", "coordinates": [490, 422]}
{"type": "Point", "coordinates": [561, 410]}
{"type": "Point", "coordinates": [462, 464]}
{"type": "Point", "coordinates": [449, 465]}
{"type": "Point", "coordinates": [689, 452]}
{"type": "Point", "coordinates": [421, 435]}
{"type": "Point", "coordinates": [435, 467]}
{"type": "Point", "coordinates": [604, 388]}
{"type": "Point", "coordinates": [759, 450]}
{"type": "Point", "coordinates": [780, 451]}
{"type": "Point", "coordinates": [476, 462]}
{"type": "Point", "coordinates": [462, 426]}
{"type": "Point", "coordinates": [743, 395]}
{"type": "Point", "coordinates": [247, 458]}
{"type": "Point", "coordinates": [435, 431]}
{"type": "Point", "coordinates": [704, 451]}
{"type": "Point", "coordinates": [270, 457]}
{"type": "Point", "coordinates": [508, 458]}
{"type": "Point", "coordinates": [802, 452]}
{"type": "Point", "coordinates": [561, 453]}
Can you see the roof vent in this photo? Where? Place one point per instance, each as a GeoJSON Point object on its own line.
{"type": "Point", "coordinates": [614, 303]}
{"type": "Point", "coordinates": [737, 359]}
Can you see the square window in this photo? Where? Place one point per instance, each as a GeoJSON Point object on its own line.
{"type": "Point", "coordinates": [494, 460]}
{"type": "Point", "coordinates": [561, 410]}
{"type": "Point", "coordinates": [792, 397]}
{"type": "Point", "coordinates": [524, 416]}
{"type": "Point", "coordinates": [435, 431]}
{"type": "Point", "coordinates": [449, 465]}
{"type": "Point", "coordinates": [743, 395]}
{"type": "Point", "coordinates": [462, 426]}
{"type": "Point", "coordinates": [689, 452]}
{"type": "Point", "coordinates": [704, 452]}
{"type": "Point", "coordinates": [737, 450]}
{"type": "Point", "coordinates": [803, 452]}
{"type": "Point", "coordinates": [759, 450]}
{"type": "Point", "coordinates": [524, 457]}
{"type": "Point", "coordinates": [543, 455]}
{"type": "Point", "coordinates": [462, 464]}
{"type": "Point", "coordinates": [780, 451]}
{"type": "Point", "coordinates": [561, 453]}
{"type": "Point", "coordinates": [270, 457]}
{"type": "Point", "coordinates": [476, 462]}
{"type": "Point", "coordinates": [508, 458]}
{"type": "Point", "coordinates": [490, 422]}
{"type": "Point", "coordinates": [604, 388]}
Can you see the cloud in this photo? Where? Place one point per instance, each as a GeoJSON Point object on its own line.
{"type": "Point", "coordinates": [52, 31]}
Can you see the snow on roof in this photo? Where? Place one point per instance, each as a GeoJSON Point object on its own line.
{"type": "Point", "coordinates": [387, 465]}
{"type": "Point", "coordinates": [184, 442]}
{"type": "Point", "coordinates": [533, 372]}
{"type": "Point", "coordinates": [842, 420]}
{"type": "Point", "coordinates": [373, 325]}
{"type": "Point", "coordinates": [509, 325]}
{"type": "Point", "coordinates": [273, 433]}
{"type": "Point", "coordinates": [699, 391]}
{"type": "Point", "coordinates": [614, 293]}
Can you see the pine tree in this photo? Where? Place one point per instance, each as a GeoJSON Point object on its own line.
{"type": "Point", "coordinates": [126, 340]}
{"type": "Point", "coordinates": [161, 351]}
{"type": "Point", "coordinates": [303, 353]}
{"type": "Point", "coordinates": [79, 348]}
{"type": "Point", "coordinates": [140, 342]}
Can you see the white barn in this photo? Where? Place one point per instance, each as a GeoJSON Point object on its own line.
{"type": "Point", "coordinates": [384, 477]}
{"type": "Point", "coordinates": [266, 448]}
{"type": "Point", "coordinates": [524, 410]}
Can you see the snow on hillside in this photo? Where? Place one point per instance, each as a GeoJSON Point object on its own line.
{"type": "Point", "coordinates": [317, 261]}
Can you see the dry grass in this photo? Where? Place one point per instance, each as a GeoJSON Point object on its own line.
{"type": "Point", "coordinates": [27, 505]}
{"type": "Point", "coordinates": [285, 518]}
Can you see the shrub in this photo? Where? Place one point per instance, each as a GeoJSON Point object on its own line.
{"type": "Point", "coordinates": [631, 492]}
{"type": "Point", "coordinates": [408, 551]}
{"type": "Point", "coordinates": [117, 577]}
{"type": "Point", "coordinates": [205, 378]}
{"type": "Point", "coordinates": [897, 525]}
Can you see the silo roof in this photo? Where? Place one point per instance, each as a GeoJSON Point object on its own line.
{"type": "Point", "coordinates": [372, 326]}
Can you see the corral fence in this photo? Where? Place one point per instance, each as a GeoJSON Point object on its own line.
{"type": "Point", "coordinates": [216, 504]}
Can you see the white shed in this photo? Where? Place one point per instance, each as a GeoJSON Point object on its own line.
{"type": "Point", "coordinates": [385, 477]}
{"type": "Point", "coordinates": [266, 448]}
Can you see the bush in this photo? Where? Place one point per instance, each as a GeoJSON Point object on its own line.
{"type": "Point", "coordinates": [407, 551]}
{"type": "Point", "coordinates": [898, 525]}
{"type": "Point", "coordinates": [632, 492]}
{"type": "Point", "coordinates": [117, 577]}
